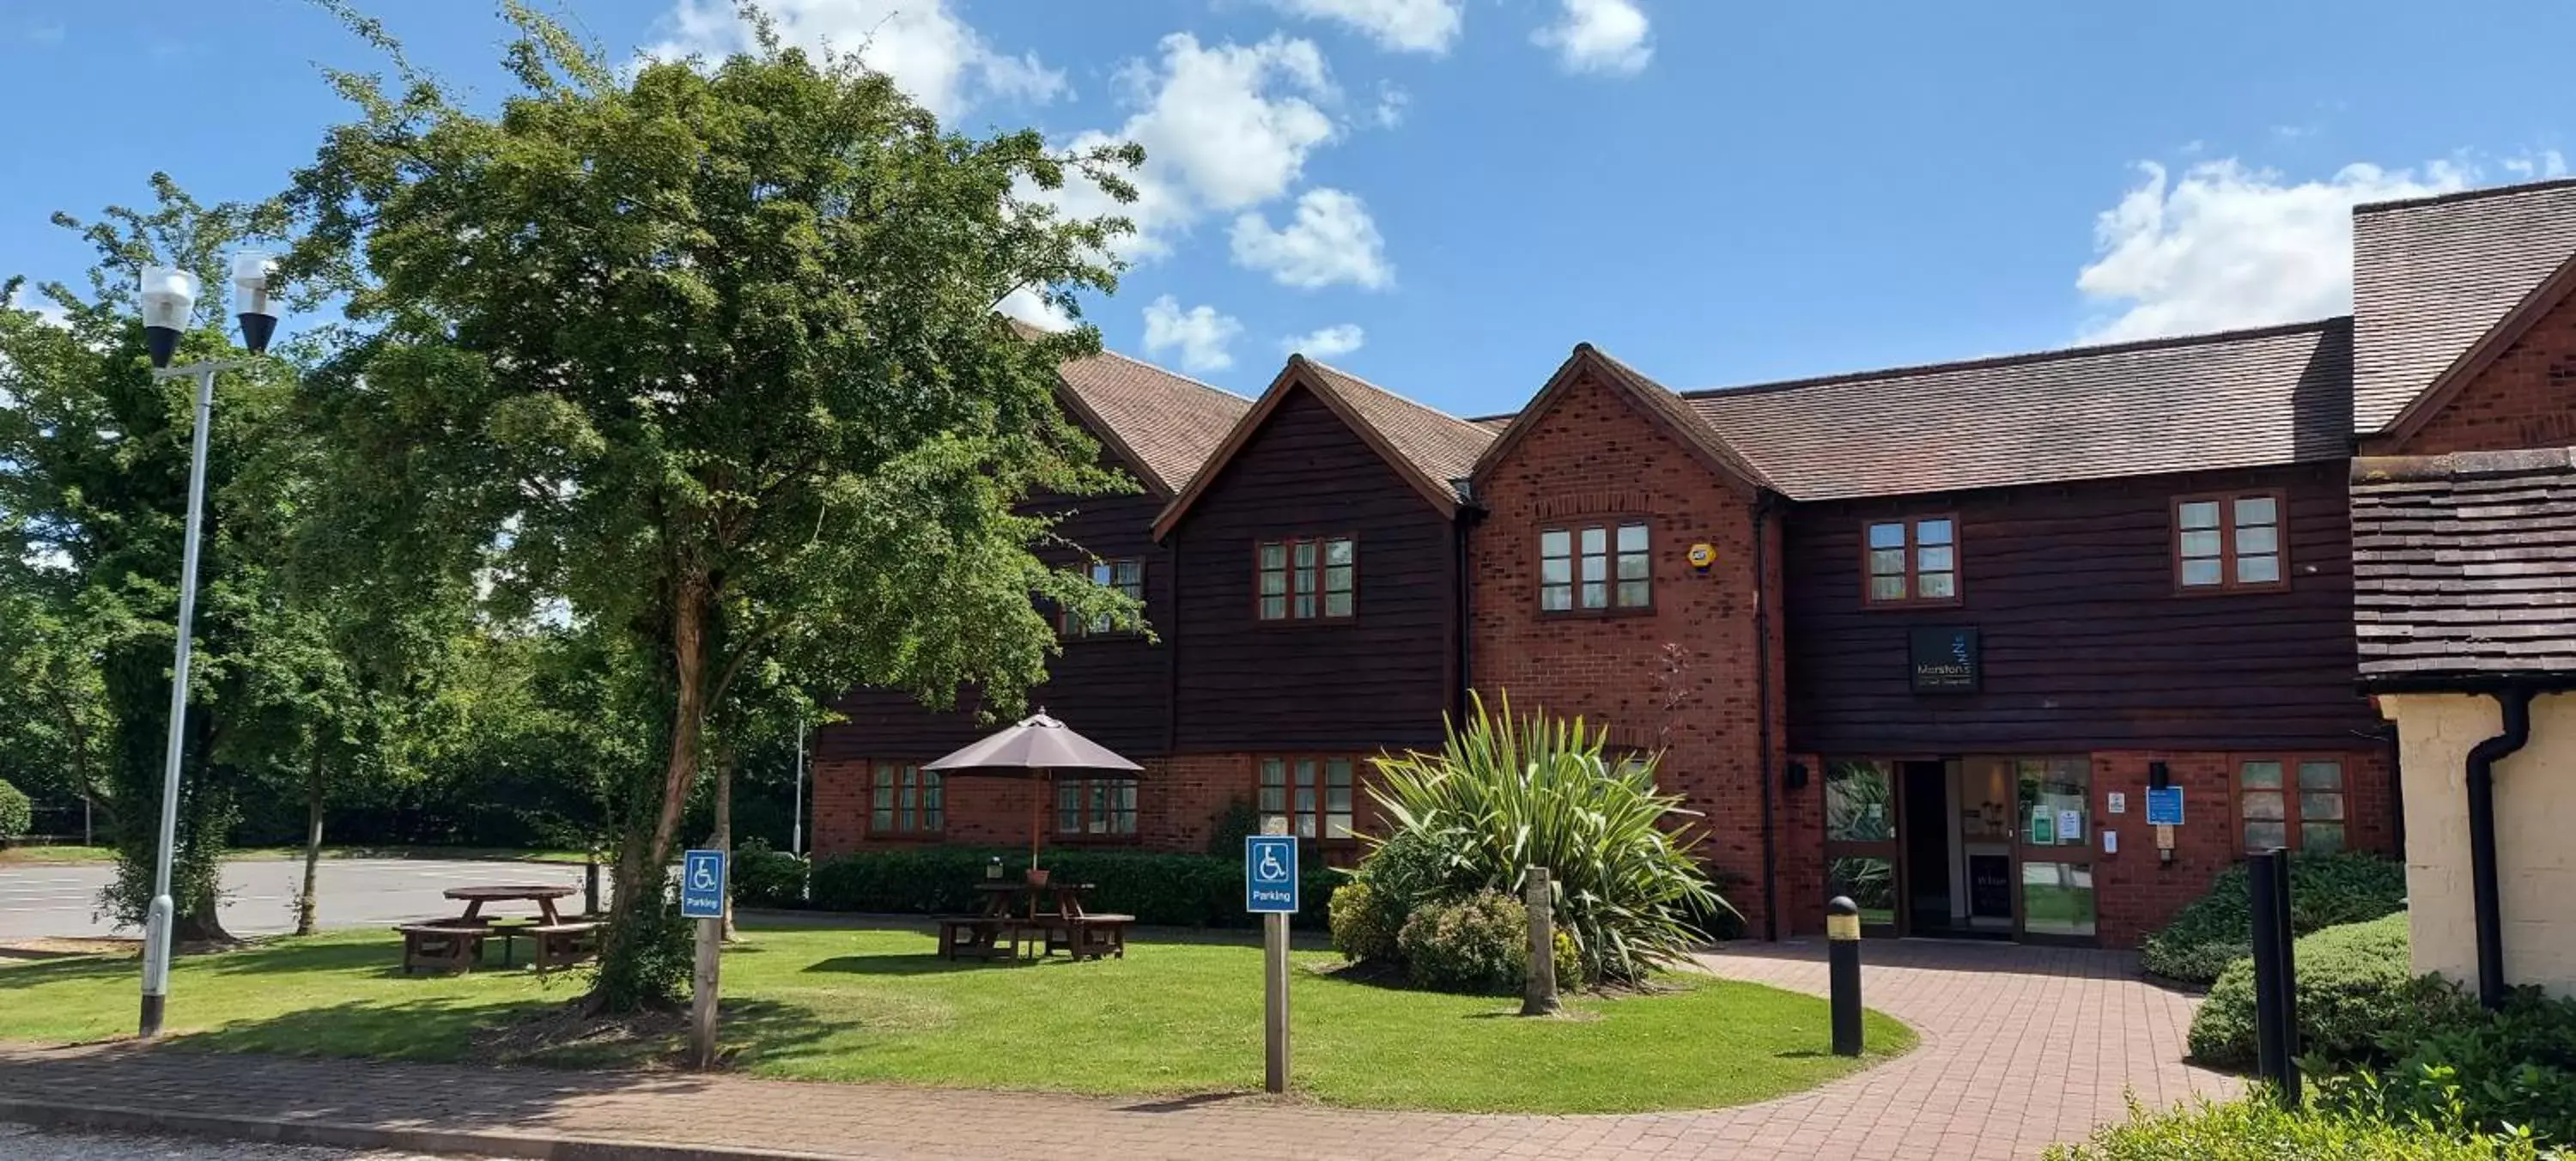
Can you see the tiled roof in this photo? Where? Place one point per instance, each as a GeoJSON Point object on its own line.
{"type": "Point", "coordinates": [2464, 567]}
{"type": "Point", "coordinates": [1437, 444]}
{"type": "Point", "coordinates": [1172, 423]}
{"type": "Point", "coordinates": [2429, 277]}
{"type": "Point", "coordinates": [2250, 398]}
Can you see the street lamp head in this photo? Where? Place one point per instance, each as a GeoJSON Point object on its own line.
{"type": "Point", "coordinates": [168, 295]}
{"type": "Point", "coordinates": [254, 298]}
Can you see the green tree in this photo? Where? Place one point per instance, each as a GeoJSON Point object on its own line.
{"type": "Point", "coordinates": [93, 486]}
{"type": "Point", "coordinates": [711, 355]}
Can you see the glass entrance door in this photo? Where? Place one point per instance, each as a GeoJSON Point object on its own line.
{"type": "Point", "coordinates": [2053, 897]}
{"type": "Point", "coordinates": [1862, 858]}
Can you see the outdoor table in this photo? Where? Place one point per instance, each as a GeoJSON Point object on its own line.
{"type": "Point", "coordinates": [1001, 899]}
{"type": "Point", "coordinates": [544, 897]}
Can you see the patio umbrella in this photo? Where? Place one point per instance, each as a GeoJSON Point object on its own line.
{"type": "Point", "coordinates": [1036, 748]}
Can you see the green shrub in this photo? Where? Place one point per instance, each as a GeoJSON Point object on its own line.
{"type": "Point", "coordinates": [1503, 796]}
{"type": "Point", "coordinates": [2218, 928]}
{"type": "Point", "coordinates": [2516, 1067]}
{"type": "Point", "coordinates": [1164, 890]}
{"type": "Point", "coordinates": [1360, 930]}
{"type": "Point", "coordinates": [763, 877]}
{"type": "Point", "coordinates": [17, 815]}
{"type": "Point", "coordinates": [1478, 943]}
{"type": "Point", "coordinates": [2354, 990]}
{"type": "Point", "coordinates": [1237, 822]}
{"type": "Point", "coordinates": [2257, 1129]}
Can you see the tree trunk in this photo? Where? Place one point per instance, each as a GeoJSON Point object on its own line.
{"type": "Point", "coordinates": [644, 853]}
{"type": "Point", "coordinates": [308, 919]}
{"type": "Point", "coordinates": [723, 838]}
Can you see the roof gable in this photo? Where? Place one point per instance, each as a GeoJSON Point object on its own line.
{"type": "Point", "coordinates": [1426, 448]}
{"type": "Point", "coordinates": [1656, 403]}
{"type": "Point", "coordinates": [2432, 277]}
{"type": "Point", "coordinates": [2455, 379]}
{"type": "Point", "coordinates": [1163, 425]}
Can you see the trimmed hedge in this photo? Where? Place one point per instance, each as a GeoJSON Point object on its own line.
{"type": "Point", "coordinates": [17, 815]}
{"type": "Point", "coordinates": [766, 877]}
{"type": "Point", "coordinates": [2354, 991]}
{"type": "Point", "coordinates": [1162, 890]}
{"type": "Point", "coordinates": [2256, 1128]}
{"type": "Point", "coordinates": [2514, 1067]}
{"type": "Point", "coordinates": [2217, 929]}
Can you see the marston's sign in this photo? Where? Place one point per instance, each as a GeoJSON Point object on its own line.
{"type": "Point", "coordinates": [1945, 660]}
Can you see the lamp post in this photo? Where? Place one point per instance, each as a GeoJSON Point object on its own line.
{"type": "Point", "coordinates": [169, 296]}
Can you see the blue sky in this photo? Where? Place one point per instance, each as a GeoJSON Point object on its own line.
{"type": "Point", "coordinates": [1716, 192]}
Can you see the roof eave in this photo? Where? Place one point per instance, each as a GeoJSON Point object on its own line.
{"type": "Point", "coordinates": [1299, 373]}
{"type": "Point", "coordinates": [1693, 433]}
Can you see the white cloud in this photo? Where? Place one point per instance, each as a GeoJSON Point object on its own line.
{"type": "Point", "coordinates": [1396, 25]}
{"type": "Point", "coordinates": [2228, 246]}
{"type": "Point", "coordinates": [28, 298]}
{"type": "Point", "coordinates": [1599, 36]}
{"type": "Point", "coordinates": [1025, 305]}
{"type": "Point", "coordinates": [1200, 334]}
{"type": "Point", "coordinates": [1339, 339]}
{"type": "Point", "coordinates": [1224, 128]}
{"type": "Point", "coordinates": [1391, 104]}
{"type": "Point", "coordinates": [2547, 163]}
{"type": "Point", "coordinates": [1331, 240]}
{"type": "Point", "coordinates": [924, 45]}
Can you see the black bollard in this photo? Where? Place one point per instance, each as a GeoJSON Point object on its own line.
{"type": "Point", "coordinates": [2276, 1016]}
{"type": "Point", "coordinates": [1842, 961]}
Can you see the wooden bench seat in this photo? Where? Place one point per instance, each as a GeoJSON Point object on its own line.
{"type": "Point", "coordinates": [562, 945]}
{"type": "Point", "coordinates": [444, 946]}
{"type": "Point", "coordinates": [1092, 935]}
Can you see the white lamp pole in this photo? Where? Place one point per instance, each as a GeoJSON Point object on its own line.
{"type": "Point", "coordinates": [169, 296]}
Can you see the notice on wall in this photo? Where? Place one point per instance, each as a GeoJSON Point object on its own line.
{"type": "Point", "coordinates": [2043, 829]}
{"type": "Point", "coordinates": [2119, 803]}
{"type": "Point", "coordinates": [2070, 826]}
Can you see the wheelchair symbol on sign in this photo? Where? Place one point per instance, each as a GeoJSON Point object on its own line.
{"type": "Point", "coordinates": [702, 876]}
{"type": "Point", "coordinates": [1271, 870]}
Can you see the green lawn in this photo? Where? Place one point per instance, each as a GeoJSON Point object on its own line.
{"type": "Point", "coordinates": [1174, 1017]}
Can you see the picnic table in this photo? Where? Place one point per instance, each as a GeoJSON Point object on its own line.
{"type": "Point", "coordinates": [1016, 916]}
{"type": "Point", "coordinates": [457, 944]}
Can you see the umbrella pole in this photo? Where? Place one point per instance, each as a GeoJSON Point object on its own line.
{"type": "Point", "coordinates": [1037, 806]}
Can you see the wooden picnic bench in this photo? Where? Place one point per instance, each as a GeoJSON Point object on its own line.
{"type": "Point", "coordinates": [445, 945]}
{"type": "Point", "coordinates": [561, 945]}
{"type": "Point", "coordinates": [1002, 928]}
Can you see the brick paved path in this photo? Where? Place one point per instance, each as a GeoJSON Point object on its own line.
{"type": "Point", "coordinates": [2021, 1046]}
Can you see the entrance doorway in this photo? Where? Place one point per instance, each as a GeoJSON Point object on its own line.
{"type": "Point", "coordinates": [1967, 847]}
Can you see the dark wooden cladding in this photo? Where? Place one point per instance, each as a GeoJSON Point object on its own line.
{"type": "Point", "coordinates": [1116, 690]}
{"type": "Point", "coordinates": [2085, 640]}
{"type": "Point", "coordinates": [1381, 678]}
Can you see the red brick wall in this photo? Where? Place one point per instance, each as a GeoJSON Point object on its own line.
{"type": "Point", "coordinates": [1178, 801]}
{"type": "Point", "coordinates": [1591, 459]}
{"type": "Point", "coordinates": [2136, 893]}
{"type": "Point", "coordinates": [2526, 398]}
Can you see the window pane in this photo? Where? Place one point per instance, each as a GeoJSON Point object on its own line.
{"type": "Point", "coordinates": [2057, 899]}
{"type": "Point", "coordinates": [1556, 598]}
{"type": "Point", "coordinates": [1556, 542]}
{"type": "Point", "coordinates": [1932, 532]}
{"type": "Point", "coordinates": [1337, 826]}
{"type": "Point", "coordinates": [1337, 772]}
{"type": "Point", "coordinates": [2258, 570]}
{"type": "Point", "coordinates": [1887, 536]}
{"type": "Point", "coordinates": [1274, 556]}
{"type": "Point", "coordinates": [1887, 588]}
{"type": "Point", "coordinates": [1274, 608]}
{"type": "Point", "coordinates": [1305, 606]}
{"type": "Point", "coordinates": [2196, 573]}
{"type": "Point", "coordinates": [1274, 772]}
{"type": "Point", "coordinates": [1556, 572]}
{"type": "Point", "coordinates": [1338, 551]}
{"type": "Point", "coordinates": [1337, 604]}
{"type": "Point", "coordinates": [1337, 578]}
{"type": "Point", "coordinates": [2321, 806]}
{"type": "Point", "coordinates": [2260, 775]}
{"type": "Point", "coordinates": [1274, 584]}
{"type": "Point", "coordinates": [1305, 554]}
{"type": "Point", "coordinates": [2263, 804]}
{"type": "Point", "coordinates": [2263, 836]}
{"type": "Point", "coordinates": [1632, 566]}
{"type": "Point", "coordinates": [885, 779]}
{"type": "Point", "coordinates": [1100, 573]}
{"type": "Point", "coordinates": [2321, 776]}
{"type": "Point", "coordinates": [1635, 595]}
{"type": "Point", "coordinates": [1596, 568]}
{"type": "Point", "coordinates": [1305, 826]}
{"type": "Point", "coordinates": [1933, 559]}
{"type": "Point", "coordinates": [2321, 837]}
{"type": "Point", "coordinates": [1871, 883]}
{"type": "Point", "coordinates": [2257, 541]}
{"type": "Point", "coordinates": [2199, 514]}
{"type": "Point", "coordinates": [1596, 596]}
{"type": "Point", "coordinates": [1887, 562]}
{"type": "Point", "coordinates": [1939, 586]}
{"type": "Point", "coordinates": [2199, 544]}
{"type": "Point", "coordinates": [1632, 538]}
{"type": "Point", "coordinates": [2254, 510]}
{"type": "Point", "coordinates": [1596, 541]}
{"type": "Point", "coordinates": [1858, 798]}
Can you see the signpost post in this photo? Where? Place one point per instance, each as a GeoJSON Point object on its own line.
{"type": "Point", "coordinates": [1270, 891]}
{"type": "Point", "coordinates": [702, 897]}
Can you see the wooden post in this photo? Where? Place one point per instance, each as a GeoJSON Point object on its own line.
{"type": "Point", "coordinates": [1538, 994]}
{"type": "Point", "coordinates": [1274, 989]}
{"type": "Point", "coordinates": [702, 1007]}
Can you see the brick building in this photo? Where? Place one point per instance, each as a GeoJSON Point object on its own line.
{"type": "Point", "coordinates": [1928, 636]}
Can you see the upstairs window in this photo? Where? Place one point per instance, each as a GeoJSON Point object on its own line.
{"type": "Point", "coordinates": [908, 800]}
{"type": "Point", "coordinates": [1126, 576]}
{"type": "Point", "coordinates": [1913, 561]}
{"type": "Point", "coordinates": [1098, 807]}
{"type": "Point", "coordinates": [1303, 580]}
{"type": "Point", "coordinates": [1595, 568]}
{"type": "Point", "coordinates": [1314, 795]}
{"type": "Point", "coordinates": [2228, 542]}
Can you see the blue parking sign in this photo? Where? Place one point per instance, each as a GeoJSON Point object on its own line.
{"type": "Point", "coordinates": [2164, 806]}
{"type": "Point", "coordinates": [702, 885]}
{"type": "Point", "coordinates": [1270, 873]}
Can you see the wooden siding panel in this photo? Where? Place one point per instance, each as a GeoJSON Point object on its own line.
{"type": "Point", "coordinates": [1381, 678]}
{"type": "Point", "coordinates": [2085, 641]}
